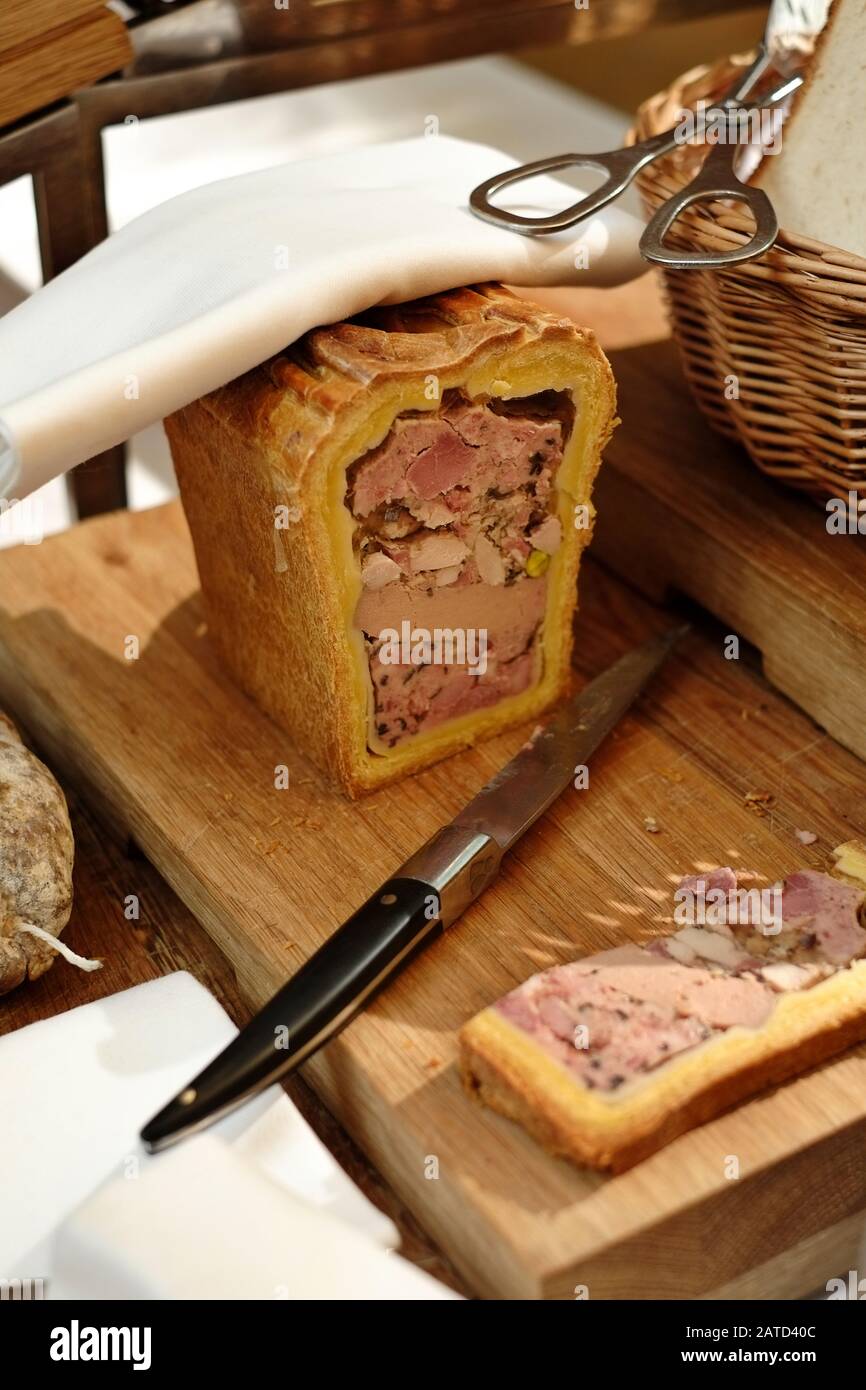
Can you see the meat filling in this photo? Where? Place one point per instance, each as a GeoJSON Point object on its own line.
{"type": "Point", "coordinates": [612, 1018]}
{"type": "Point", "coordinates": [455, 529]}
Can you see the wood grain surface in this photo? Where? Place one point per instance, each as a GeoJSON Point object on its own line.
{"type": "Point", "coordinates": [37, 73]}
{"type": "Point", "coordinates": [682, 511]}
{"type": "Point", "coordinates": [23, 21]}
{"type": "Point", "coordinates": [179, 761]}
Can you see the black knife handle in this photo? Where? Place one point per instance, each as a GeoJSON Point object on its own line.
{"type": "Point", "coordinates": [321, 998]}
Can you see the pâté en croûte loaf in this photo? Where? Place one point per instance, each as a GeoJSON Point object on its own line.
{"type": "Point", "coordinates": [389, 518]}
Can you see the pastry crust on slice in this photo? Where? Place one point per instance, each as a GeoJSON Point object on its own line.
{"type": "Point", "coordinates": [36, 852]}
{"type": "Point", "coordinates": [262, 466]}
{"type": "Point", "coordinates": [502, 1066]}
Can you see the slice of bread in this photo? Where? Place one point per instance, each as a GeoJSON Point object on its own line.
{"type": "Point", "coordinates": [817, 180]}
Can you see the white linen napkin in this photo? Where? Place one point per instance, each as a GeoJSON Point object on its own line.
{"type": "Point", "coordinates": [203, 1222]}
{"type": "Point", "coordinates": [212, 282]}
{"type": "Point", "coordinates": [76, 1089]}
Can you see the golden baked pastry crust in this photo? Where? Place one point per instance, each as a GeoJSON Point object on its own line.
{"type": "Point", "coordinates": [275, 444]}
{"type": "Point", "coordinates": [503, 1067]}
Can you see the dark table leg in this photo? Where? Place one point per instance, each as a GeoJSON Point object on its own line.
{"type": "Point", "coordinates": [70, 215]}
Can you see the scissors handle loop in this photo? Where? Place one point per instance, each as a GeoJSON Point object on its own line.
{"type": "Point", "coordinates": [619, 165]}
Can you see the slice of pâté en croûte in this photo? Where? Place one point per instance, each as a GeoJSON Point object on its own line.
{"type": "Point", "coordinates": [608, 1058]}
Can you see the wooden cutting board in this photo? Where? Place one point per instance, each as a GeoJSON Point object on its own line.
{"type": "Point", "coordinates": [681, 510]}
{"type": "Point", "coordinates": [180, 761]}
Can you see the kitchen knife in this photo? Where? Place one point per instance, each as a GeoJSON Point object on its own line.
{"type": "Point", "coordinates": [426, 895]}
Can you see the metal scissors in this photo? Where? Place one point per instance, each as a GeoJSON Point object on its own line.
{"type": "Point", "coordinates": [787, 23]}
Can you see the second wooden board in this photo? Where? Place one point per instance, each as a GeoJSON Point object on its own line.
{"type": "Point", "coordinates": [681, 509]}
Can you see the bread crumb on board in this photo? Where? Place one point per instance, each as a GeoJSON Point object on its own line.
{"type": "Point", "coordinates": [759, 801]}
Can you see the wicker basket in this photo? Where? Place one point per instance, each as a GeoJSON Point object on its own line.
{"type": "Point", "coordinates": [775, 349]}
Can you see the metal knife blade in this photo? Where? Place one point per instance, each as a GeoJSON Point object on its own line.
{"type": "Point", "coordinates": [524, 789]}
{"type": "Point", "coordinates": [427, 894]}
